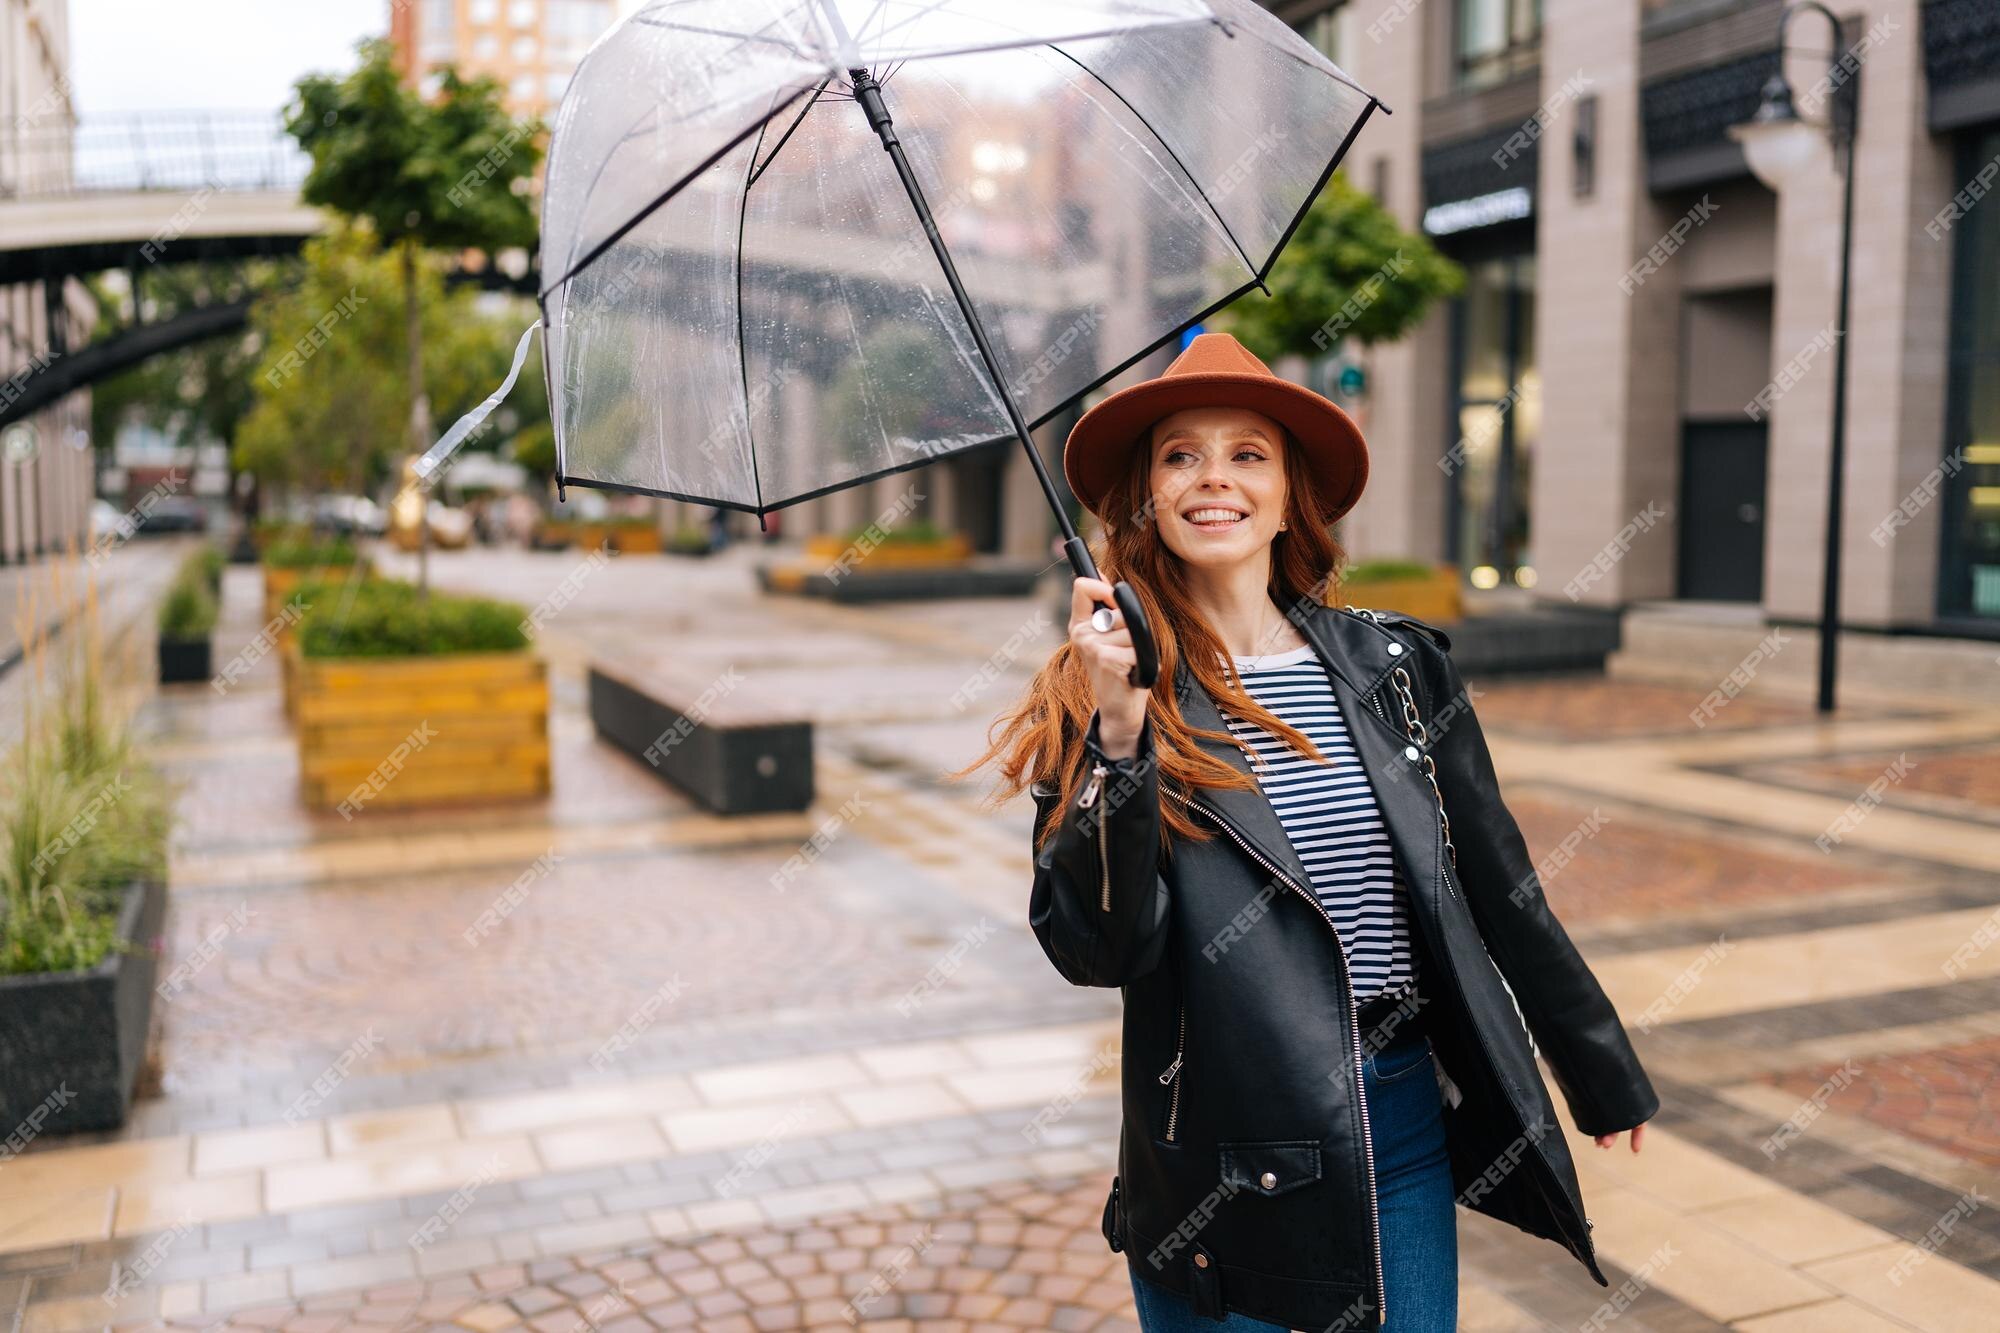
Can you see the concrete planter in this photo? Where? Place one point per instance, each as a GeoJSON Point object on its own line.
{"type": "Point", "coordinates": [71, 1043]}
{"type": "Point", "coordinates": [1435, 596]}
{"type": "Point", "coordinates": [408, 731]}
{"type": "Point", "coordinates": [184, 660]}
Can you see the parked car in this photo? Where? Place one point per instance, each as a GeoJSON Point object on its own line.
{"type": "Point", "coordinates": [172, 513]}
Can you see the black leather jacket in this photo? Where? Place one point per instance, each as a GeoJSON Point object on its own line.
{"type": "Point", "coordinates": [1245, 1174]}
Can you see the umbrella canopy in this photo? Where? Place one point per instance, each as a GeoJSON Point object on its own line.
{"type": "Point", "coordinates": [743, 307]}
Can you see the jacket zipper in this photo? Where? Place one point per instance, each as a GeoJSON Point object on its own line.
{"type": "Point", "coordinates": [1354, 1021]}
{"type": "Point", "coordinates": [1098, 773]}
{"type": "Point", "coordinates": [1172, 1074]}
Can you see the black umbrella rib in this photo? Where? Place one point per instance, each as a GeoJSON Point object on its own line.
{"type": "Point", "coordinates": [785, 138]}
{"type": "Point", "coordinates": [597, 251]}
{"type": "Point", "coordinates": [1324, 176]}
{"type": "Point", "coordinates": [1161, 140]}
{"type": "Point", "coordinates": [742, 343]}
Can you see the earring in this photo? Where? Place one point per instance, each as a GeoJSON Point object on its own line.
{"type": "Point", "coordinates": [1281, 525]}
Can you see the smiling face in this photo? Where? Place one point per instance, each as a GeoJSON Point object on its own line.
{"type": "Point", "coordinates": [1218, 483]}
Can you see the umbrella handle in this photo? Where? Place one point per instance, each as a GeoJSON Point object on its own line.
{"type": "Point", "coordinates": [1147, 669]}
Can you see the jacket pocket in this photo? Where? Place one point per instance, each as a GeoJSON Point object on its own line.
{"type": "Point", "coordinates": [1112, 1225]}
{"type": "Point", "coordinates": [1271, 1168]}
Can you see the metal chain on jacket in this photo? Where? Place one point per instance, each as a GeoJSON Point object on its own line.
{"type": "Point", "coordinates": [1413, 727]}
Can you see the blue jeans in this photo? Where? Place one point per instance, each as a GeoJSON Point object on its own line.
{"type": "Point", "coordinates": [1414, 1199]}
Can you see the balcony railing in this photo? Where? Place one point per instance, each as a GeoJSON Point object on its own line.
{"type": "Point", "coordinates": [179, 151]}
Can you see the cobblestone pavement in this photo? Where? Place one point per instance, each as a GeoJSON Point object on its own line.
{"type": "Point", "coordinates": [674, 1089]}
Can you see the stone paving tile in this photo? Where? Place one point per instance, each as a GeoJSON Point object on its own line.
{"type": "Point", "coordinates": [1019, 1255]}
{"type": "Point", "coordinates": [1964, 781]}
{"type": "Point", "coordinates": [1602, 861]}
{"type": "Point", "coordinates": [1948, 1097]}
{"type": "Point", "coordinates": [1596, 708]}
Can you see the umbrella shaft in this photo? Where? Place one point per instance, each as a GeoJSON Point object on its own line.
{"type": "Point", "coordinates": [869, 94]}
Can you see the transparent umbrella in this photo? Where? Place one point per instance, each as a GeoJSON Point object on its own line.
{"type": "Point", "coordinates": [748, 302]}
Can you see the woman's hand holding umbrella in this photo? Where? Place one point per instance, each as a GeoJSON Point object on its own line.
{"type": "Point", "coordinates": [1109, 657]}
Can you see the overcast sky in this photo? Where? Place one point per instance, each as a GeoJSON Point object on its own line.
{"type": "Point", "coordinates": [242, 55]}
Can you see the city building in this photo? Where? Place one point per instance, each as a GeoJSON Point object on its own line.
{"type": "Point", "coordinates": [1631, 404]}
{"type": "Point", "coordinates": [530, 47]}
{"type": "Point", "coordinates": [46, 463]}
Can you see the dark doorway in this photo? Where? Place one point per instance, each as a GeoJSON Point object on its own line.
{"type": "Point", "coordinates": [1722, 511]}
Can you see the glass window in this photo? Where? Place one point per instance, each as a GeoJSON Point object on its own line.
{"type": "Point", "coordinates": [1497, 39]}
{"type": "Point", "coordinates": [521, 13]}
{"type": "Point", "coordinates": [485, 46]}
{"type": "Point", "coordinates": [483, 11]}
{"type": "Point", "coordinates": [1969, 570]}
{"type": "Point", "coordinates": [525, 50]}
{"type": "Point", "coordinates": [1498, 417]}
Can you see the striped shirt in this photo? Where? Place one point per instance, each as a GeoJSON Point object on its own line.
{"type": "Point", "coordinates": [1331, 816]}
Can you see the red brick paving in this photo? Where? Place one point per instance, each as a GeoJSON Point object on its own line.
{"type": "Point", "coordinates": [1011, 1257]}
{"type": "Point", "coordinates": [1635, 866]}
{"type": "Point", "coordinates": [1596, 708]}
{"type": "Point", "coordinates": [1971, 775]}
{"type": "Point", "coordinates": [1948, 1097]}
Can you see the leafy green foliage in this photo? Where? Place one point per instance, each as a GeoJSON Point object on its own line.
{"type": "Point", "coordinates": [332, 407]}
{"type": "Point", "coordinates": [446, 174]}
{"type": "Point", "coordinates": [301, 551]}
{"type": "Point", "coordinates": [1350, 271]}
{"type": "Point", "coordinates": [389, 618]}
{"type": "Point", "coordinates": [188, 610]}
{"type": "Point", "coordinates": [1387, 569]}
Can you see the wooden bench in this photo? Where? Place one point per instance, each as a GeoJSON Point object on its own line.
{"type": "Point", "coordinates": [705, 734]}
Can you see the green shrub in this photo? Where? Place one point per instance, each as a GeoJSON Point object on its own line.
{"type": "Point", "coordinates": [295, 551]}
{"type": "Point", "coordinates": [188, 611]}
{"type": "Point", "coordinates": [209, 561]}
{"type": "Point", "coordinates": [389, 618]}
{"type": "Point", "coordinates": [626, 523]}
{"type": "Point", "coordinates": [688, 538]}
{"type": "Point", "coordinates": [82, 815]}
{"type": "Point", "coordinates": [1388, 569]}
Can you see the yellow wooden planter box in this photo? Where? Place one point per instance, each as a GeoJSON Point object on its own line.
{"type": "Point", "coordinates": [633, 540]}
{"type": "Point", "coordinates": [280, 583]}
{"type": "Point", "coordinates": [1434, 597]}
{"type": "Point", "coordinates": [824, 550]}
{"type": "Point", "coordinates": [404, 731]}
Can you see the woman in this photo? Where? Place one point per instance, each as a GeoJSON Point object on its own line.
{"type": "Point", "coordinates": [1292, 856]}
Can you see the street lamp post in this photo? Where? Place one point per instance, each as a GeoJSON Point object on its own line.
{"type": "Point", "coordinates": [1776, 141]}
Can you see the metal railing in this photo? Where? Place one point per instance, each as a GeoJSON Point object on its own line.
{"type": "Point", "coordinates": [179, 151]}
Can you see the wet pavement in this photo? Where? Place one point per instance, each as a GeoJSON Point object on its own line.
{"type": "Point", "coordinates": [669, 1087]}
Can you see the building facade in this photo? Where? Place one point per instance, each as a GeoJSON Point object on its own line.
{"type": "Point", "coordinates": [1632, 401]}
{"type": "Point", "coordinates": [530, 47]}
{"type": "Point", "coordinates": [46, 463]}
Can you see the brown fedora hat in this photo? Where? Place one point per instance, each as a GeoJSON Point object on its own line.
{"type": "Point", "coordinates": [1215, 370]}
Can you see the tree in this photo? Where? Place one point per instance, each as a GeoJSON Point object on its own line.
{"type": "Point", "coordinates": [1350, 271]}
{"type": "Point", "coordinates": [448, 174]}
{"type": "Point", "coordinates": [331, 389]}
